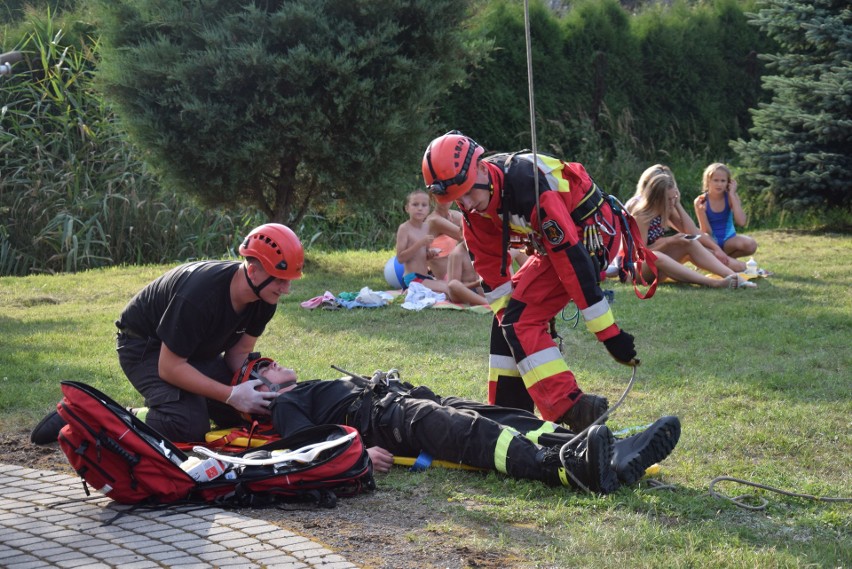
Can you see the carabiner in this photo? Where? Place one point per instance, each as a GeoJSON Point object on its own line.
{"type": "Point", "coordinates": [605, 226]}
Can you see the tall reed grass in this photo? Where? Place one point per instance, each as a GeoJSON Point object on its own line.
{"type": "Point", "coordinates": [74, 193]}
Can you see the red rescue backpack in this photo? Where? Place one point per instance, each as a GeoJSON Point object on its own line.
{"type": "Point", "coordinates": [131, 463]}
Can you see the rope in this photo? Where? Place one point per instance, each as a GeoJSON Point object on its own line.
{"type": "Point", "coordinates": [532, 104]}
{"type": "Point", "coordinates": [659, 485]}
{"type": "Point", "coordinates": [575, 318]}
{"type": "Point", "coordinates": [567, 446]}
{"type": "Point", "coordinates": [760, 503]}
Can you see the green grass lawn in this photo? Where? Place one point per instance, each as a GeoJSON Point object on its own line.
{"type": "Point", "coordinates": [760, 379]}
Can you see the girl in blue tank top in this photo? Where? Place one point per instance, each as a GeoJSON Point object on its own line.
{"type": "Point", "coordinates": [719, 211]}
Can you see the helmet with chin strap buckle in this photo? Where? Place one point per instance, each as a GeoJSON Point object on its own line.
{"type": "Point", "coordinates": [278, 250]}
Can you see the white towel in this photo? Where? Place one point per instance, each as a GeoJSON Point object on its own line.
{"type": "Point", "coordinates": [419, 297]}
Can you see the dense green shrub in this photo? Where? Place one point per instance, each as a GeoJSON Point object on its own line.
{"type": "Point", "coordinates": [603, 56]}
{"type": "Point", "coordinates": [615, 90]}
{"type": "Point", "coordinates": [15, 11]}
{"type": "Point", "coordinates": [699, 64]}
{"type": "Point", "coordinates": [492, 106]}
{"type": "Point", "coordinates": [280, 105]}
{"type": "Point", "coordinates": [683, 72]}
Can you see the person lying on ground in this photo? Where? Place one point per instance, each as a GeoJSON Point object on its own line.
{"type": "Point", "coordinates": [396, 418]}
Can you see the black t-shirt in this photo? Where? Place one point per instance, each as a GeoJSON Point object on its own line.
{"type": "Point", "coordinates": [189, 309]}
{"type": "Point", "coordinates": [316, 402]}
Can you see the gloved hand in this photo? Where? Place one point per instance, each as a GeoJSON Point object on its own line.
{"type": "Point", "coordinates": [245, 397]}
{"type": "Point", "coordinates": [622, 349]}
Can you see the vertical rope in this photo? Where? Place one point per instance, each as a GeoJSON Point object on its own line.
{"type": "Point", "coordinates": [532, 103]}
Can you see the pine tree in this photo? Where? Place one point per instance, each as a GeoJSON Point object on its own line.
{"type": "Point", "coordinates": [801, 140]}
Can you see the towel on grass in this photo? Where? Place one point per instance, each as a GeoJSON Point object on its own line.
{"type": "Point", "coordinates": [418, 297]}
{"type": "Point", "coordinates": [366, 298]}
{"type": "Point", "coordinates": [426, 298]}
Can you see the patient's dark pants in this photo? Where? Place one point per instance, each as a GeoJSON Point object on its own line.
{"type": "Point", "coordinates": [464, 431]}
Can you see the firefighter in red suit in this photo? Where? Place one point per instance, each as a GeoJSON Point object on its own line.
{"type": "Point", "coordinates": [572, 234]}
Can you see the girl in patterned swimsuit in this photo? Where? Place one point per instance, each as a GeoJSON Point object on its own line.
{"type": "Point", "coordinates": [655, 230]}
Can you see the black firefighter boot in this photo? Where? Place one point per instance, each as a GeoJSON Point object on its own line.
{"type": "Point", "coordinates": [584, 412]}
{"type": "Point", "coordinates": [589, 461]}
{"type": "Point", "coordinates": [636, 453]}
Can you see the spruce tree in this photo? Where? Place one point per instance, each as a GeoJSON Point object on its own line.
{"type": "Point", "coordinates": [799, 150]}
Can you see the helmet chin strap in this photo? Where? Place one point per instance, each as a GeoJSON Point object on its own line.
{"type": "Point", "coordinates": [256, 288]}
{"type": "Point", "coordinates": [484, 185]}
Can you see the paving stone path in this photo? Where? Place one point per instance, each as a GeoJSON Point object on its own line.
{"type": "Point", "coordinates": [46, 520]}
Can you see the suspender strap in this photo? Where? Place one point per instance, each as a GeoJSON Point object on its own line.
{"type": "Point", "coordinates": [504, 203]}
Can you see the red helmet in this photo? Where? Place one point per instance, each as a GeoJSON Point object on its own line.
{"type": "Point", "coordinates": [449, 166]}
{"type": "Point", "coordinates": [278, 250]}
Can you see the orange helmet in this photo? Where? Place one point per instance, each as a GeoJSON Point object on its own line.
{"type": "Point", "coordinates": [449, 166]}
{"type": "Point", "coordinates": [278, 250]}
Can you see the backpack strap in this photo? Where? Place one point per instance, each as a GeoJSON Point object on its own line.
{"type": "Point", "coordinates": [373, 390]}
{"type": "Point", "coordinates": [505, 162]}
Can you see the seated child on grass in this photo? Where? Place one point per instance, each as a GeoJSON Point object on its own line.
{"type": "Point", "coordinates": [413, 241]}
{"type": "Point", "coordinates": [719, 211]}
{"type": "Point", "coordinates": [446, 225]}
